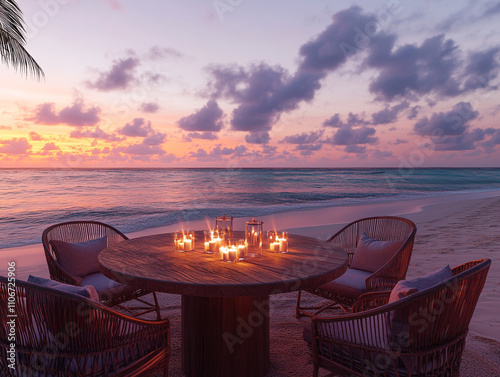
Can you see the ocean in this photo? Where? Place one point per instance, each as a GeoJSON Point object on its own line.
{"type": "Point", "coordinates": [137, 199]}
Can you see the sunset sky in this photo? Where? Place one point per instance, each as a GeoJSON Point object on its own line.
{"type": "Point", "coordinates": [202, 83]}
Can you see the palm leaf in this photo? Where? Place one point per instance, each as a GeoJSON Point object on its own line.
{"type": "Point", "coordinates": [12, 40]}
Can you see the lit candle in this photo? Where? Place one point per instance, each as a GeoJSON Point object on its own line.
{"type": "Point", "coordinates": [188, 244]}
{"type": "Point", "coordinates": [232, 254]}
{"type": "Point", "coordinates": [241, 252]}
{"type": "Point", "coordinates": [179, 244]}
{"type": "Point", "coordinates": [283, 245]}
{"type": "Point", "coordinates": [274, 247]}
{"type": "Point", "coordinates": [207, 246]}
{"type": "Point", "coordinates": [223, 253]}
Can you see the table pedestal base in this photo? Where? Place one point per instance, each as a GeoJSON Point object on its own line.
{"type": "Point", "coordinates": [225, 336]}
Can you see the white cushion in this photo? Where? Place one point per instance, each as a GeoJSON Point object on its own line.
{"type": "Point", "coordinates": [79, 259]}
{"type": "Point", "coordinates": [87, 291]}
{"type": "Point", "coordinates": [370, 254]}
{"type": "Point", "coordinates": [105, 287]}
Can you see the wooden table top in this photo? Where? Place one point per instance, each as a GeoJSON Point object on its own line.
{"type": "Point", "coordinates": [152, 263]}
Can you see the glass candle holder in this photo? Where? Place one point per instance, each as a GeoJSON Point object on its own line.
{"type": "Point", "coordinates": [242, 249]}
{"type": "Point", "coordinates": [253, 237]}
{"type": "Point", "coordinates": [212, 241]}
{"type": "Point", "coordinates": [229, 253]}
{"type": "Point", "coordinates": [184, 240]}
{"type": "Point", "coordinates": [224, 224]}
{"type": "Point", "coordinates": [277, 241]}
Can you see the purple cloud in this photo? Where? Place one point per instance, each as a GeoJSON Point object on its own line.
{"type": "Point", "coordinates": [451, 123]}
{"type": "Point", "coordinates": [450, 130]}
{"type": "Point", "coordinates": [138, 128]}
{"type": "Point", "coordinates": [482, 67]}
{"type": "Point", "coordinates": [353, 120]}
{"type": "Point", "coordinates": [389, 114]}
{"type": "Point", "coordinates": [142, 150]}
{"type": "Point", "coordinates": [15, 146]}
{"type": "Point", "coordinates": [414, 70]}
{"type": "Point", "coordinates": [97, 133]}
{"type": "Point", "coordinates": [74, 115]}
{"type": "Point", "coordinates": [303, 138]}
{"type": "Point", "coordinates": [121, 76]}
{"type": "Point", "coordinates": [257, 138]}
{"type": "Point", "coordinates": [206, 119]}
{"type": "Point", "coordinates": [157, 52]}
{"type": "Point", "coordinates": [202, 135]}
{"type": "Point", "coordinates": [149, 107]}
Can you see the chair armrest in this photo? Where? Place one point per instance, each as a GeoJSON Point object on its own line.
{"type": "Point", "coordinates": [371, 300]}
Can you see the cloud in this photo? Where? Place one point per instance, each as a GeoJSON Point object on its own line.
{"type": "Point", "coordinates": [303, 138]}
{"type": "Point", "coordinates": [353, 138]}
{"type": "Point", "coordinates": [149, 107]}
{"type": "Point", "coordinates": [75, 115]}
{"type": "Point", "coordinates": [347, 135]}
{"type": "Point", "coordinates": [138, 128]}
{"type": "Point", "coordinates": [201, 135]}
{"type": "Point", "coordinates": [482, 67]}
{"type": "Point", "coordinates": [353, 120]}
{"type": "Point", "coordinates": [451, 130]}
{"type": "Point", "coordinates": [411, 70]}
{"type": "Point", "coordinates": [344, 37]}
{"type": "Point", "coordinates": [451, 123]}
{"type": "Point", "coordinates": [49, 147]}
{"type": "Point", "coordinates": [35, 137]}
{"type": "Point", "coordinates": [5, 128]}
{"type": "Point", "coordinates": [120, 76]}
{"type": "Point", "coordinates": [15, 146]}
{"type": "Point", "coordinates": [157, 52]}
{"type": "Point", "coordinates": [389, 114]}
{"type": "Point", "coordinates": [493, 141]}
{"type": "Point", "coordinates": [206, 119]}
{"type": "Point", "coordinates": [382, 154]}
{"type": "Point", "coordinates": [97, 133]}
{"type": "Point", "coordinates": [155, 138]}
{"type": "Point", "coordinates": [142, 150]}
{"type": "Point", "coordinates": [258, 138]}
{"type": "Point", "coordinates": [413, 113]}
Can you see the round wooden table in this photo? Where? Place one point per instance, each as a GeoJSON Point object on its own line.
{"type": "Point", "coordinates": [225, 306]}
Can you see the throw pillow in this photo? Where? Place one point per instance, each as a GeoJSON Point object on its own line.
{"type": "Point", "coordinates": [79, 259]}
{"type": "Point", "coordinates": [406, 287]}
{"type": "Point", "coordinates": [87, 291]}
{"type": "Point", "coordinates": [370, 254]}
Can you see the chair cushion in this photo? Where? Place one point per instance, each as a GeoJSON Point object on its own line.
{"type": "Point", "coordinates": [406, 287]}
{"type": "Point", "coordinates": [351, 284]}
{"type": "Point", "coordinates": [399, 318]}
{"type": "Point", "coordinates": [87, 291]}
{"type": "Point", "coordinates": [79, 259]}
{"type": "Point", "coordinates": [370, 254]}
{"type": "Point", "coordinates": [105, 287]}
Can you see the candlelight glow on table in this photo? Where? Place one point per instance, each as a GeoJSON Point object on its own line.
{"type": "Point", "coordinates": [277, 241]}
{"type": "Point", "coordinates": [184, 240]}
{"type": "Point", "coordinates": [213, 241]}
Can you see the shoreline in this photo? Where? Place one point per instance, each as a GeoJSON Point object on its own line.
{"type": "Point", "coordinates": [450, 230]}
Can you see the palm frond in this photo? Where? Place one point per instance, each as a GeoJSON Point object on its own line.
{"type": "Point", "coordinates": [12, 40]}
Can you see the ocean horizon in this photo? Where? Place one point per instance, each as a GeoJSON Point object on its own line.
{"type": "Point", "coordinates": [31, 199]}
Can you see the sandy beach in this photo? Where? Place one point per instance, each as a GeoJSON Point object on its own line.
{"type": "Point", "coordinates": [450, 230]}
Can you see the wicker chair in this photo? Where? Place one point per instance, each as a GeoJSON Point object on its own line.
{"type": "Point", "coordinates": [347, 288]}
{"type": "Point", "coordinates": [56, 334]}
{"type": "Point", "coordinates": [420, 335]}
{"type": "Point", "coordinates": [111, 293]}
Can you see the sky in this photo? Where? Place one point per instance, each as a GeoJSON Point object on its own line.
{"type": "Point", "coordinates": [240, 83]}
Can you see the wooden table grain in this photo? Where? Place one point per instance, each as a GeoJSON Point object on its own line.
{"type": "Point", "coordinates": [225, 306]}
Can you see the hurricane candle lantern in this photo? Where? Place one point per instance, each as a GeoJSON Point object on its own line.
{"type": "Point", "coordinates": [277, 241]}
{"type": "Point", "coordinates": [212, 241]}
{"type": "Point", "coordinates": [184, 240]}
{"type": "Point", "coordinates": [224, 225]}
{"type": "Point", "coordinates": [253, 237]}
